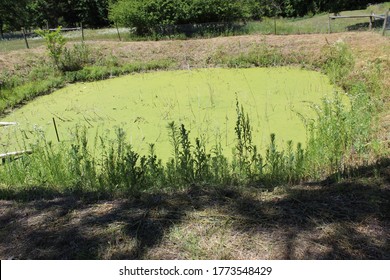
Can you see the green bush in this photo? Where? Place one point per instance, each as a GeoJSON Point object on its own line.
{"type": "Point", "coordinates": [76, 58]}
{"type": "Point", "coordinates": [149, 16]}
{"type": "Point", "coordinates": [55, 43]}
{"type": "Point", "coordinates": [339, 62]}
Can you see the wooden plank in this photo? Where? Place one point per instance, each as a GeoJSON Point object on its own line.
{"type": "Point", "coordinates": [66, 29]}
{"type": "Point", "coordinates": [360, 16]}
{"type": "Point", "coordinates": [378, 17]}
{"type": "Point", "coordinates": [15, 154]}
{"type": "Point", "coordinates": [357, 16]}
{"type": "Point", "coordinates": [8, 123]}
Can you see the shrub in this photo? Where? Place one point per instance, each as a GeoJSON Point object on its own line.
{"type": "Point", "coordinates": [339, 62]}
{"type": "Point", "coordinates": [148, 16]}
{"type": "Point", "coordinates": [76, 58]}
{"type": "Point", "coordinates": [55, 43]}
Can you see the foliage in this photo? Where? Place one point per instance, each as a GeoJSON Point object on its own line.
{"type": "Point", "coordinates": [73, 166]}
{"type": "Point", "coordinates": [76, 58]}
{"type": "Point", "coordinates": [55, 44]}
{"type": "Point", "coordinates": [246, 161]}
{"type": "Point", "coordinates": [339, 62]}
{"type": "Point", "coordinates": [147, 16]}
{"type": "Point", "coordinates": [259, 56]}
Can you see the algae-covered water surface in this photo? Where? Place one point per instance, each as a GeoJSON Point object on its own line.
{"type": "Point", "coordinates": [204, 100]}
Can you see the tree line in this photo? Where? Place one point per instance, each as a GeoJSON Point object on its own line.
{"type": "Point", "coordinates": [144, 14]}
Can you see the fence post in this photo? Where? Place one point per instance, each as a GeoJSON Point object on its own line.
{"type": "Point", "coordinates": [1, 30]}
{"type": "Point", "coordinates": [82, 32]}
{"type": "Point", "coordinates": [25, 38]}
{"type": "Point", "coordinates": [117, 30]}
{"type": "Point", "coordinates": [385, 23]}
{"type": "Point", "coordinates": [275, 32]}
{"type": "Point", "coordinates": [329, 27]}
{"type": "Point", "coordinates": [370, 27]}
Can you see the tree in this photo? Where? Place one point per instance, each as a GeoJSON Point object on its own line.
{"type": "Point", "coordinates": [147, 15]}
{"type": "Point", "coordinates": [92, 12]}
{"type": "Point", "coordinates": [14, 14]}
{"type": "Point", "coordinates": [55, 44]}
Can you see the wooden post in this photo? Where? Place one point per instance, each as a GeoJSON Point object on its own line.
{"type": "Point", "coordinates": [275, 31]}
{"type": "Point", "coordinates": [82, 32]}
{"type": "Point", "coordinates": [370, 27]}
{"type": "Point", "coordinates": [117, 30]}
{"type": "Point", "coordinates": [25, 38]}
{"type": "Point", "coordinates": [1, 30]}
{"type": "Point", "coordinates": [385, 23]}
{"type": "Point", "coordinates": [55, 127]}
{"type": "Point", "coordinates": [329, 27]}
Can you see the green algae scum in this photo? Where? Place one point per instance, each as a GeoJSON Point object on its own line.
{"type": "Point", "coordinates": [277, 100]}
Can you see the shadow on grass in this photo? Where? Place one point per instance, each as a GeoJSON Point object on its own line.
{"type": "Point", "coordinates": [348, 220]}
{"type": "Point", "coordinates": [365, 25]}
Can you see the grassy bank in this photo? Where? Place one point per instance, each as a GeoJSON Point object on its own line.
{"type": "Point", "coordinates": [79, 64]}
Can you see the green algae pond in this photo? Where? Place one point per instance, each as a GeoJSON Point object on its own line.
{"type": "Point", "coordinates": [204, 100]}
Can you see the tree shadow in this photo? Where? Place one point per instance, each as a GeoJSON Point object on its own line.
{"type": "Point", "coordinates": [202, 29]}
{"type": "Point", "coordinates": [365, 25]}
{"type": "Point", "coordinates": [348, 220]}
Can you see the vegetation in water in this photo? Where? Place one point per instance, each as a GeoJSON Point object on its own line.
{"type": "Point", "coordinates": [202, 99]}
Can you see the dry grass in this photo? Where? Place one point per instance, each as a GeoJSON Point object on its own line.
{"type": "Point", "coordinates": [349, 220]}
{"type": "Point", "coordinates": [197, 53]}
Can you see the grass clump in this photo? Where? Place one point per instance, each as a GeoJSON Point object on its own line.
{"type": "Point", "coordinates": [339, 137]}
{"type": "Point", "coordinates": [117, 170]}
{"type": "Point", "coordinates": [339, 62]}
{"type": "Point", "coordinates": [55, 44]}
{"type": "Point", "coordinates": [259, 56]}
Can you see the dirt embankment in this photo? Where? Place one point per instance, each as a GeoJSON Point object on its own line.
{"type": "Point", "coordinates": [197, 53]}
